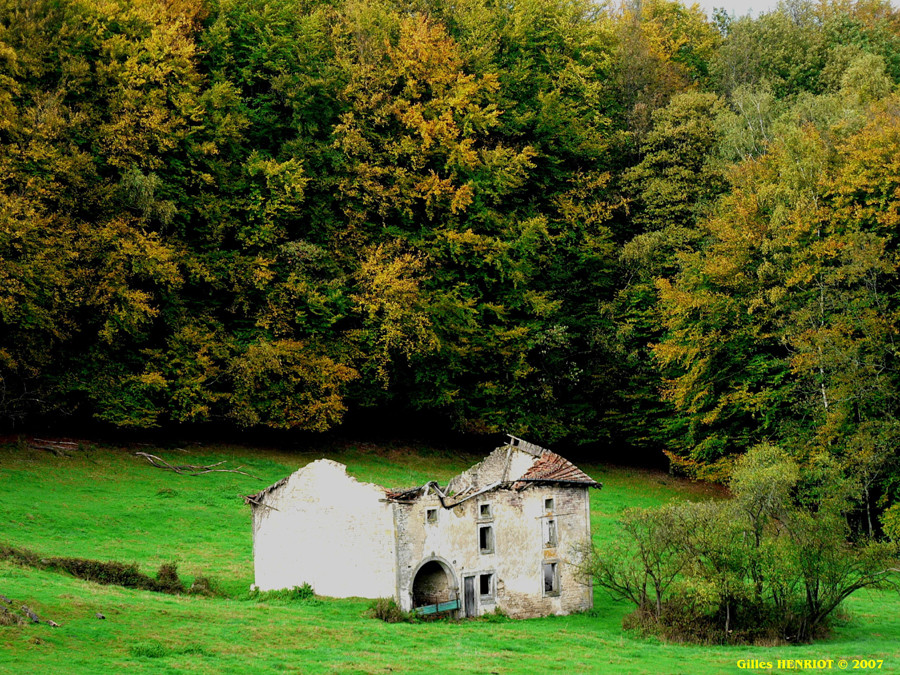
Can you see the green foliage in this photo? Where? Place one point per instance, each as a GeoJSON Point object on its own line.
{"type": "Point", "coordinates": [208, 587]}
{"type": "Point", "coordinates": [787, 50]}
{"type": "Point", "coordinates": [497, 616]}
{"type": "Point", "coordinates": [112, 572]}
{"type": "Point", "coordinates": [389, 611]}
{"type": "Point", "coordinates": [298, 594]}
{"type": "Point", "coordinates": [154, 649]}
{"type": "Point", "coordinates": [578, 223]}
{"type": "Point", "coordinates": [167, 580]}
{"type": "Point", "coordinates": [780, 324]}
{"type": "Point", "coordinates": [285, 384]}
{"type": "Point", "coordinates": [676, 177]}
{"type": "Point", "coordinates": [775, 562]}
{"type": "Point", "coordinates": [203, 221]}
{"type": "Point", "coordinates": [665, 47]}
{"type": "Point", "coordinates": [891, 521]}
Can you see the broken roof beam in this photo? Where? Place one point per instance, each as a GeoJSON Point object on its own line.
{"type": "Point", "coordinates": [525, 446]}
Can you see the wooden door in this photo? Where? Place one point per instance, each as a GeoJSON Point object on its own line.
{"type": "Point", "coordinates": [469, 586]}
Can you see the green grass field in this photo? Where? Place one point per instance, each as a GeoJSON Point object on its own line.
{"type": "Point", "coordinates": [106, 504]}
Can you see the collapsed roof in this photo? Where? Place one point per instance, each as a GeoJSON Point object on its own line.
{"type": "Point", "coordinates": [516, 465]}
{"type": "Point", "coordinates": [513, 466]}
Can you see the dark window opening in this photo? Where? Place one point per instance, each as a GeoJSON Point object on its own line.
{"type": "Point", "coordinates": [431, 515]}
{"type": "Point", "coordinates": [432, 585]}
{"type": "Point", "coordinates": [550, 538]}
{"type": "Point", "coordinates": [548, 504]}
{"type": "Point", "coordinates": [484, 511]}
{"type": "Point", "coordinates": [485, 583]}
{"type": "Point", "coordinates": [551, 579]}
{"type": "Point", "coordinates": [486, 539]}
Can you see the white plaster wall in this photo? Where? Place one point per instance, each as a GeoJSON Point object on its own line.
{"type": "Point", "coordinates": [519, 463]}
{"type": "Point", "coordinates": [327, 529]}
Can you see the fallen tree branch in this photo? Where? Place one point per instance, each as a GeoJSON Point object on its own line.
{"type": "Point", "coordinates": [191, 469]}
{"type": "Point", "coordinates": [58, 448]}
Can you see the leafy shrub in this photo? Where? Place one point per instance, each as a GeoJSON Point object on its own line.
{"type": "Point", "coordinates": [205, 586]}
{"type": "Point", "coordinates": [303, 594]}
{"type": "Point", "coordinates": [111, 572]}
{"type": "Point", "coordinates": [387, 610]}
{"type": "Point", "coordinates": [21, 556]}
{"type": "Point", "coordinates": [891, 523]}
{"type": "Point", "coordinates": [167, 580]}
{"type": "Point", "coordinates": [684, 619]}
{"type": "Point", "coordinates": [771, 565]}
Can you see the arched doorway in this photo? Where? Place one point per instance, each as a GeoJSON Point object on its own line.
{"type": "Point", "coordinates": [434, 584]}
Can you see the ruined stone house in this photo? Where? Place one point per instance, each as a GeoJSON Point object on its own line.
{"type": "Point", "coordinates": [499, 535]}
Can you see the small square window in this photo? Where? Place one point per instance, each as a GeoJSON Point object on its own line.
{"type": "Point", "coordinates": [551, 579]}
{"type": "Point", "coordinates": [431, 516]}
{"type": "Point", "coordinates": [486, 539]}
{"type": "Point", "coordinates": [484, 511]}
{"type": "Point", "coordinates": [548, 504]}
{"type": "Point", "coordinates": [486, 585]}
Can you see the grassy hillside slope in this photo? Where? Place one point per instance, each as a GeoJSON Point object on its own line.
{"type": "Point", "coordinates": [106, 504]}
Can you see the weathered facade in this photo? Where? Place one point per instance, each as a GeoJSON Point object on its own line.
{"type": "Point", "coordinates": [499, 535]}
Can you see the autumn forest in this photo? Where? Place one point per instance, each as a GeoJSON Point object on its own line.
{"type": "Point", "coordinates": [578, 222]}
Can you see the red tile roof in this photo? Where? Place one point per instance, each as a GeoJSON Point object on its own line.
{"type": "Point", "coordinates": [552, 468]}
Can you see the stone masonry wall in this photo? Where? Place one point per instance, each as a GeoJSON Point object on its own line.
{"type": "Point", "coordinates": [503, 464]}
{"type": "Point", "coordinates": [518, 522]}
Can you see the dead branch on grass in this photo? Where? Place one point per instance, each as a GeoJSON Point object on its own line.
{"type": "Point", "coordinates": [191, 469]}
{"type": "Point", "coordinates": [58, 448]}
